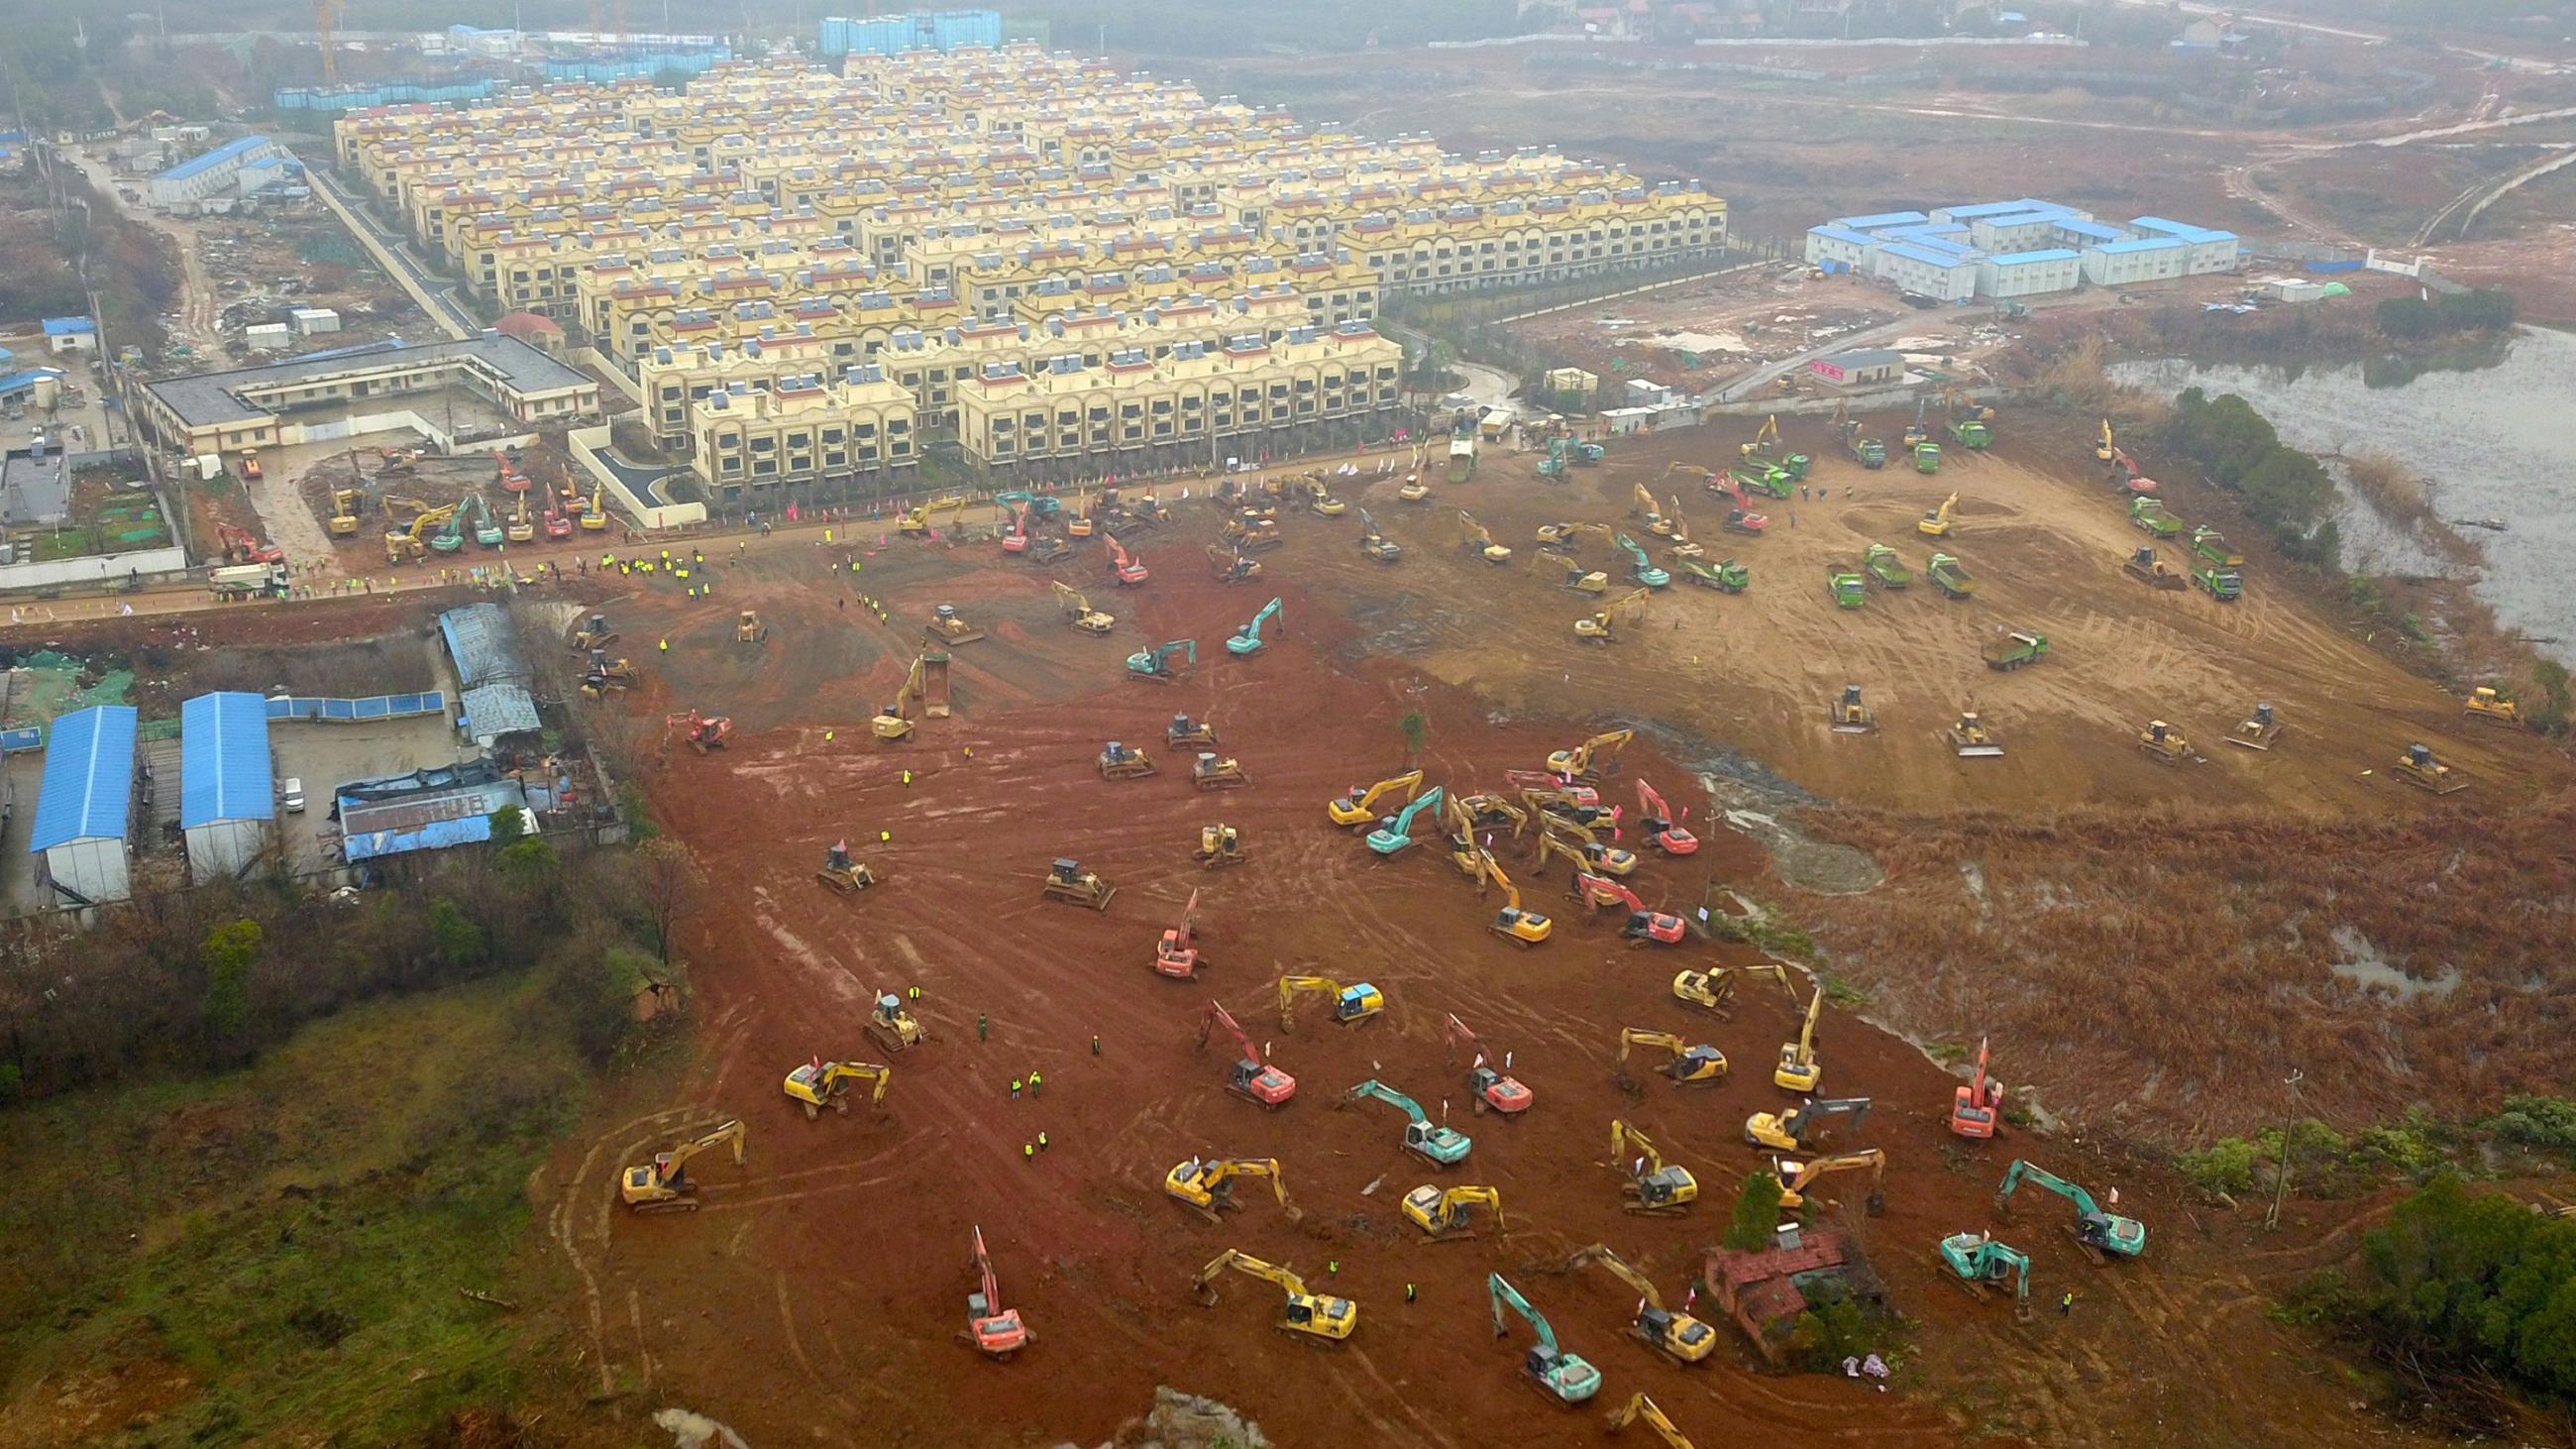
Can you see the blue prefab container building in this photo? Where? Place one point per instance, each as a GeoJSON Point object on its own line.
{"type": "Point", "coordinates": [227, 791]}
{"type": "Point", "coordinates": [85, 807]}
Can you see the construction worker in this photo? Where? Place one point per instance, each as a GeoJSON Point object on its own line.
{"type": "Point", "coordinates": [2066, 1305]}
{"type": "Point", "coordinates": [1015, 1089]}
{"type": "Point", "coordinates": [1408, 1292]}
{"type": "Point", "coordinates": [914, 992]}
{"type": "Point", "coordinates": [1035, 1082]}
{"type": "Point", "coordinates": [1095, 1043]}
{"type": "Point", "coordinates": [907, 778]}
{"type": "Point", "coordinates": [1029, 1151]}
{"type": "Point", "coordinates": [1333, 1267]}
{"type": "Point", "coordinates": [666, 646]}
{"type": "Point", "coordinates": [1042, 1142]}
{"type": "Point", "coordinates": [983, 1029]}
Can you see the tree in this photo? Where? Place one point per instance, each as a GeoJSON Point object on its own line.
{"type": "Point", "coordinates": [453, 935]}
{"type": "Point", "coordinates": [2551, 677]}
{"type": "Point", "coordinates": [669, 878]}
{"type": "Point", "coordinates": [1757, 1213]}
{"type": "Point", "coordinates": [227, 954]}
{"type": "Point", "coordinates": [1416, 731]}
{"type": "Point", "coordinates": [508, 823]}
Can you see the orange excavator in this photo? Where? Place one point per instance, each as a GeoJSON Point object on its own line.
{"type": "Point", "coordinates": [703, 732]}
{"type": "Point", "coordinates": [1643, 925]}
{"type": "Point", "coordinates": [1250, 1077]}
{"type": "Point", "coordinates": [1130, 571]}
{"type": "Point", "coordinates": [1177, 955]}
{"type": "Point", "coordinates": [994, 1329]}
{"type": "Point", "coordinates": [1490, 1089]}
{"type": "Point", "coordinates": [1656, 819]}
{"type": "Point", "coordinates": [1976, 1106]}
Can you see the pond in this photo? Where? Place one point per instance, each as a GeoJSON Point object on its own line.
{"type": "Point", "coordinates": [2493, 434]}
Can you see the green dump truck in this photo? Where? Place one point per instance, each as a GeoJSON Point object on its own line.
{"type": "Point", "coordinates": [2152, 515]}
{"type": "Point", "coordinates": [1726, 575]}
{"type": "Point", "coordinates": [1844, 583]}
{"type": "Point", "coordinates": [1949, 577]}
{"type": "Point", "coordinates": [1886, 567]}
{"type": "Point", "coordinates": [2011, 651]}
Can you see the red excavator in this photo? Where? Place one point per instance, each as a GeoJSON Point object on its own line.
{"type": "Point", "coordinates": [1250, 1077]}
{"type": "Point", "coordinates": [1976, 1108]}
{"type": "Point", "coordinates": [1130, 571]}
{"type": "Point", "coordinates": [1178, 954]}
{"type": "Point", "coordinates": [240, 547]}
{"type": "Point", "coordinates": [1492, 1091]}
{"type": "Point", "coordinates": [1583, 796]}
{"type": "Point", "coordinates": [703, 732]}
{"type": "Point", "coordinates": [1643, 924]}
{"type": "Point", "coordinates": [994, 1329]}
{"type": "Point", "coordinates": [1017, 540]}
{"type": "Point", "coordinates": [1740, 517]}
{"type": "Point", "coordinates": [1660, 826]}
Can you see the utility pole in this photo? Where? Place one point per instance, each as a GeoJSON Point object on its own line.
{"type": "Point", "coordinates": [2289, 1126]}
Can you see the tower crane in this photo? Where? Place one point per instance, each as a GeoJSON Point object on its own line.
{"type": "Point", "coordinates": [1318, 1316]}
{"type": "Point", "coordinates": [1678, 1336]}
{"type": "Point", "coordinates": [1653, 1189]}
{"type": "Point", "coordinates": [326, 19]}
{"type": "Point", "coordinates": [994, 1329]}
{"type": "Point", "coordinates": [1250, 1077]}
{"type": "Point", "coordinates": [1560, 1375]}
{"type": "Point", "coordinates": [2098, 1231]}
{"type": "Point", "coordinates": [1491, 1089]}
{"type": "Point", "coordinates": [663, 1184]}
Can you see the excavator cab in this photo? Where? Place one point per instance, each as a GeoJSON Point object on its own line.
{"type": "Point", "coordinates": [1794, 1130]}
{"type": "Point", "coordinates": [1068, 881]}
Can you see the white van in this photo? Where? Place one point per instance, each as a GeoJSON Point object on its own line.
{"type": "Point", "coordinates": [291, 795]}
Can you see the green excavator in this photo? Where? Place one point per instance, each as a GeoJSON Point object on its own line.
{"type": "Point", "coordinates": [2101, 1233]}
{"type": "Point", "coordinates": [1562, 1376]}
{"type": "Point", "coordinates": [1975, 1261]}
{"type": "Point", "coordinates": [1441, 1145]}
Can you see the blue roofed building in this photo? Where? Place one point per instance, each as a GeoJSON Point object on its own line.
{"type": "Point", "coordinates": [1945, 274]}
{"type": "Point", "coordinates": [2032, 273]}
{"type": "Point", "coordinates": [431, 809]}
{"type": "Point", "coordinates": [227, 783]}
{"type": "Point", "coordinates": [2211, 250]}
{"type": "Point", "coordinates": [216, 173]}
{"type": "Point", "coordinates": [2021, 248]}
{"type": "Point", "coordinates": [70, 334]}
{"type": "Point", "coordinates": [85, 807]}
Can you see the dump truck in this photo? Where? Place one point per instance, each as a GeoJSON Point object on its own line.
{"type": "Point", "coordinates": [2151, 515]}
{"type": "Point", "coordinates": [1951, 579]}
{"type": "Point", "coordinates": [2211, 545]}
{"type": "Point", "coordinates": [1844, 583]}
{"type": "Point", "coordinates": [1763, 477]}
{"type": "Point", "coordinates": [1927, 457]}
{"type": "Point", "coordinates": [2219, 583]}
{"type": "Point", "coordinates": [2012, 650]}
{"type": "Point", "coordinates": [1886, 567]}
{"type": "Point", "coordinates": [1726, 575]}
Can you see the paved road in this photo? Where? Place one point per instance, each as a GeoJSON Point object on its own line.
{"type": "Point", "coordinates": [392, 252]}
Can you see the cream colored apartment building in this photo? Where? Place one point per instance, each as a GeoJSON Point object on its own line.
{"type": "Point", "coordinates": [803, 429]}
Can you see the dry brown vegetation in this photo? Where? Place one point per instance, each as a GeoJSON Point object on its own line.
{"type": "Point", "coordinates": [2405, 499]}
{"type": "Point", "coordinates": [2163, 970]}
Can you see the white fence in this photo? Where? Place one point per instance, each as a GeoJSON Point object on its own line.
{"type": "Point", "coordinates": [587, 446]}
{"type": "Point", "coordinates": [93, 568]}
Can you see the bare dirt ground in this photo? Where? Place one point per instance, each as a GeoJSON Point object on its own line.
{"type": "Point", "coordinates": [837, 1255]}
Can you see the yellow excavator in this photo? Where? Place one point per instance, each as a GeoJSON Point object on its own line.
{"type": "Point", "coordinates": [1712, 989]}
{"type": "Point", "coordinates": [1603, 627]}
{"type": "Point", "coordinates": [663, 1185]}
{"type": "Point", "coordinates": [1937, 522]}
{"type": "Point", "coordinates": [1701, 1065]}
{"type": "Point", "coordinates": [1206, 1184]}
{"type": "Point", "coordinates": [1079, 613]}
{"type": "Point", "coordinates": [1652, 1188]}
{"type": "Point", "coordinates": [1464, 853]}
{"type": "Point", "coordinates": [1359, 807]}
{"type": "Point", "coordinates": [1351, 1004]}
{"type": "Point", "coordinates": [1678, 534]}
{"type": "Point", "coordinates": [1799, 1071]}
{"type": "Point", "coordinates": [1528, 928]}
{"type": "Point", "coordinates": [1791, 1131]}
{"type": "Point", "coordinates": [1477, 541]}
{"type": "Point", "coordinates": [1646, 510]}
{"type": "Point", "coordinates": [1639, 1407]}
{"type": "Point", "coordinates": [344, 512]}
{"type": "Point", "coordinates": [1447, 1213]}
{"type": "Point", "coordinates": [1314, 1316]}
{"type": "Point", "coordinates": [1677, 1336]}
{"type": "Point", "coordinates": [594, 514]}
{"type": "Point", "coordinates": [819, 1084]}
{"type": "Point", "coordinates": [1797, 1177]}
{"type": "Point", "coordinates": [521, 528]}
{"type": "Point", "coordinates": [1592, 759]}
{"type": "Point", "coordinates": [895, 721]}
{"type": "Point", "coordinates": [1580, 845]}
{"type": "Point", "coordinates": [412, 541]}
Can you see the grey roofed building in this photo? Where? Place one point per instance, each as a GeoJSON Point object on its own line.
{"type": "Point", "coordinates": [223, 411]}
{"type": "Point", "coordinates": [35, 492]}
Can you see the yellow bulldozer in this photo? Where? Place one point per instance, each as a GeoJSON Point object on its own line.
{"type": "Point", "coordinates": [1067, 881]}
{"type": "Point", "coordinates": [2490, 704]}
{"type": "Point", "coordinates": [843, 874]}
{"type": "Point", "coordinates": [1219, 846]}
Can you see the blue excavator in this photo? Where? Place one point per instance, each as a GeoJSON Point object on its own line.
{"type": "Point", "coordinates": [1976, 1261]}
{"type": "Point", "coordinates": [1247, 640]}
{"type": "Point", "coordinates": [1156, 663]}
{"type": "Point", "coordinates": [1441, 1145]}
{"type": "Point", "coordinates": [1563, 1377]}
{"type": "Point", "coordinates": [1640, 568]}
{"type": "Point", "coordinates": [1395, 832]}
{"type": "Point", "coordinates": [2099, 1232]}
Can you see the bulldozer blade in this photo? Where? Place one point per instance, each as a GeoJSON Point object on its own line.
{"type": "Point", "coordinates": [1981, 752]}
{"type": "Point", "coordinates": [1853, 729]}
{"type": "Point", "coordinates": [2241, 741]}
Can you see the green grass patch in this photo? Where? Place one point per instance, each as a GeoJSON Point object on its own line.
{"type": "Point", "coordinates": [295, 1234]}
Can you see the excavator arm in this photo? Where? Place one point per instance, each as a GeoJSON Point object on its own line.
{"type": "Point", "coordinates": [1640, 1407]}
{"type": "Point", "coordinates": [1600, 1253]}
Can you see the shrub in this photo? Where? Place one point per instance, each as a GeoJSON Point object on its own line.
{"type": "Point", "coordinates": [2537, 1122]}
{"type": "Point", "coordinates": [453, 935]}
{"type": "Point", "coordinates": [2226, 1166]}
{"type": "Point", "coordinates": [2412, 1146]}
{"type": "Point", "coordinates": [2479, 1280]}
{"type": "Point", "coordinates": [1757, 1213]}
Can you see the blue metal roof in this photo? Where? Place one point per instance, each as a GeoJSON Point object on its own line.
{"type": "Point", "coordinates": [217, 157]}
{"type": "Point", "coordinates": [2142, 244]}
{"type": "Point", "coordinates": [486, 651]}
{"type": "Point", "coordinates": [1834, 231]}
{"type": "Point", "coordinates": [2052, 254]}
{"type": "Point", "coordinates": [18, 382]}
{"type": "Point", "coordinates": [2094, 229]}
{"type": "Point", "coordinates": [69, 326]}
{"type": "Point", "coordinates": [2002, 208]}
{"type": "Point", "coordinates": [2026, 218]}
{"type": "Point", "coordinates": [1911, 252]}
{"type": "Point", "coordinates": [223, 760]}
{"type": "Point", "coordinates": [2183, 230]}
{"type": "Point", "coordinates": [89, 778]}
{"type": "Point", "coordinates": [1884, 218]}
